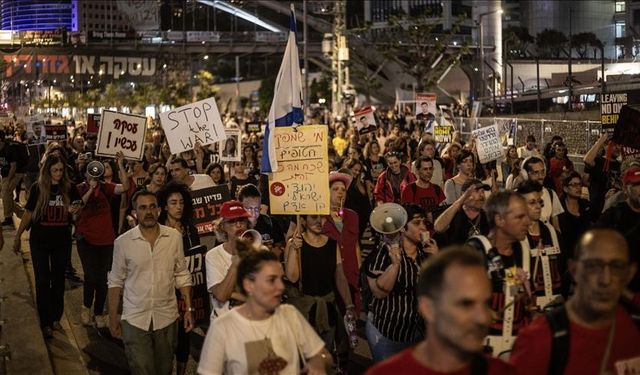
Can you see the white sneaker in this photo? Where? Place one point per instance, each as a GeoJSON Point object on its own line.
{"type": "Point", "coordinates": [86, 316]}
{"type": "Point", "coordinates": [101, 320]}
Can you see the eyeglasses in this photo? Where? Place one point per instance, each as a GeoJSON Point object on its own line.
{"type": "Point", "coordinates": [575, 184]}
{"type": "Point", "coordinates": [616, 267]}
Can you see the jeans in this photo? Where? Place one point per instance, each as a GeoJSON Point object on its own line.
{"type": "Point", "coordinates": [96, 263]}
{"type": "Point", "coordinates": [381, 347]}
{"type": "Point", "coordinates": [49, 260]}
{"type": "Point", "coordinates": [150, 352]}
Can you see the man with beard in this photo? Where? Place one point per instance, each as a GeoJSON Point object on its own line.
{"type": "Point", "coordinates": [453, 299]}
{"type": "Point", "coordinates": [509, 221]}
{"type": "Point", "coordinates": [148, 265]}
{"type": "Point", "coordinates": [465, 217]}
{"type": "Point", "coordinates": [593, 333]}
{"type": "Point", "coordinates": [390, 183]}
{"type": "Point", "coordinates": [222, 261]}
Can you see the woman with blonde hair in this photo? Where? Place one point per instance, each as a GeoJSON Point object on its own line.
{"type": "Point", "coordinates": [48, 212]}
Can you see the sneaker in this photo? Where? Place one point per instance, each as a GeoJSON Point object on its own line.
{"type": "Point", "coordinates": [47, 332]}
{"type": "Point", "coordinates": [57, 326]}
{"type": "Point", "coordinates": [86, 316]}
{"type": "Point", "coordinates": [102, 321]}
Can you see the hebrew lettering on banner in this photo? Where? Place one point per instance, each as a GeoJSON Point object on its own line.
{"type": "Point", "coordinates": [488, 143]}
{"type": "Point", "coordinates": [193, 123]}
{"type": "Point", "coordinates": [206, 206]}
{"type": "Point", "coordinates": [301, 183]}
{"type": "Point", "coordinates": [121, 132]}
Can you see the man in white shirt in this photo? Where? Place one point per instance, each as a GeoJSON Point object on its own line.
{"type": "Point", "coordinates": [180, 172]}
{"type": "Point", "coordinates": [529, 149]}
{"type": "Point", "coordinates": [148, 265]}
{"type": "Point", "coordinates": [222, 261]}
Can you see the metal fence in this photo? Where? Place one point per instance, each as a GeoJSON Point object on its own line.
{"type": "Point", "coordinates": [579, 136]}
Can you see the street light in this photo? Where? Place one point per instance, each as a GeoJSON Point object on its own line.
{"type": "Point", "coordinates": [480, 30]}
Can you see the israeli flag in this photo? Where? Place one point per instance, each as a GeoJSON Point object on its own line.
{"type": "Point", "coordinates": [286, 107]}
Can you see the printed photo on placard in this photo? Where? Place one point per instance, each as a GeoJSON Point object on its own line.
{"type": "Point", "coordinates": [426, 106]}
{"type": "Point", "coordinates": [365, 120]}
{"type": "Point", "coordinates": [231, 146]}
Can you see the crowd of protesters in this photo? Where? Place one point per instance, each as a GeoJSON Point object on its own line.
{"type": "Point", "coordinates": [493, 258]}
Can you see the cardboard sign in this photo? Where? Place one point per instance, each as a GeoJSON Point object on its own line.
{"type": "Point", "coordinates": [627, 129]}
{"type": "Point", "coordinates": [610, 106]}
{"type": "Point", "coordinates": [301, 183]}
{"type": "Point", "coordinates": [191, 123]}
{"type": "Point", "coordinates": [443, 134]}
{"type": "Point", "coordinates": [121, 132]}
{"type": "Point", "coordinates": [195, 258]}
{"type": "Point", "coordinates": [488, 143]}
{"type": "Point", "coordinates": [365, 120]}
{"type": "Point", "coordinates": [426, 106]}
{"type": "Point", "coordinates": [231, 147]}
{"type": "Point", "coordinates": [56, 132]}
{"type": "Point", "coordinates": [206, 206]}
{"type": "Point", "coordinates": [93, 123]}
{"type": "Point", "coordinates": [252, 127]}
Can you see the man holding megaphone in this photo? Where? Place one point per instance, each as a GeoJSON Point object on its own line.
{"type": "Point", "coordinates": [392, 271]}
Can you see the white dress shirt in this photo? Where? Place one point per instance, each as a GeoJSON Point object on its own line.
{"type": "Point", "coordinates": [149, 276]}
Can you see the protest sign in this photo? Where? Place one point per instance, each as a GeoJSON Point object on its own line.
{"type": "Point", "coordinates": [488, 143]}
{"type": "Point", "coordinates": [610, 106]}
{"type": "Point", "coordinates": [93, 123]}
{"type": "Point", "coordinates": [206, 206]}
{"type": "Point", "coordinates": [426, 106]}
{"type": "Point", "coordinates": [121, 132]}
{"type": "Point", "coordinates": [301, 183]}
{"type": "Point", "coordinates": [443, 134]}
{"type": "Point", "coordinates": [627, 129]}
{"type": "Point", "coordinates": [193, 123]}
{"type": "Point", "coordinates": [36, 131]}
{"type": "Point", "coordinates": [252, 127]}
{"type": "Point", "coordinates": [231, 146]}
{"type": "Point", "coordinates": [56, 132]}
{"type": "Point", "coordinates": [195, 258]}
{"type": "Point", "coordinates": [507, 128]}
{"type": "Point", "coordinates": [365, 120]}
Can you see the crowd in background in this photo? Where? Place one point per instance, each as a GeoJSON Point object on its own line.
{"type": "Point", "coordinates": [335, 265]}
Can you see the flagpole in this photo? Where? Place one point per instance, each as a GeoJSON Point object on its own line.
{"type": "Point", "coordinates": [305, 104]}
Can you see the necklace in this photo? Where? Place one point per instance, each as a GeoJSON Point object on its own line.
{"type": "Point", "coordinates": [273, 363]}
{"type": "Point", "coordinates": [474, 230]}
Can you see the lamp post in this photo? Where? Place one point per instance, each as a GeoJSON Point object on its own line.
{"type": "Point", "coordinates": [481, 31]}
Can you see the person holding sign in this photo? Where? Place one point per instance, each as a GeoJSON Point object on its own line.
{"type": "Point", "coordinates": [176, 211]}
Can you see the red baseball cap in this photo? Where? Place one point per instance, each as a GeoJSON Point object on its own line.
{"type": "Point", "coordinates": [233, 210]}
{"type": "Point", "coordinates": [632, 176]}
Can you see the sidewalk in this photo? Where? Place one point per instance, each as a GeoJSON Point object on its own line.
{"type": "Point", "coordinates": [21, 328]}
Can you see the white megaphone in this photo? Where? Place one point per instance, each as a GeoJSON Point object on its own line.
{"type": "Point", "coordinates": [254, 237]}
{"type": "Point", "coordinates": [95, 169]}
{"type": "Point", "coordinates": [388, 218]}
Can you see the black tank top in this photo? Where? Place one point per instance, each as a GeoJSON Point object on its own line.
{"type": "Point", "coordinates": [318, 268]}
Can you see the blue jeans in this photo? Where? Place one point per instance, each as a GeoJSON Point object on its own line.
{"type": "Point", "coordinates": [381, 347]}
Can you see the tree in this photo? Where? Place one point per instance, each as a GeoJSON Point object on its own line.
{"type": "Point", "coordinates": [517, 40]}
{"type": "Point", "coordinates": [265, 93]}
{"type": "Point", "coordinates": [364, 69]}
{"type": "Point", "coordinates": [416, 43]}
{"type": "Point", "coordinates": [550, 43]}
{"type": "Point", "coordinates": [206, 86]}
{"type": "Point", "coordinates": [583, 41]}
{"type": "Point", "coordinates": [320, 89]}
{"type": "Point", "coordinates": [112, 96]}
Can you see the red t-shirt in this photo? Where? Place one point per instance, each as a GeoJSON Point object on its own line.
{"type": "Point", "coordinates": [427, 198]}
{"type": "Point", "coordinates": [532, 349]}
{"type": "Point", "coordinates": [405, 363]}
{"type": "Point", "coordinates": [94, 223]}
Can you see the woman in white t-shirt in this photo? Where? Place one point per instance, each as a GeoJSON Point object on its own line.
{"type": "Point", "coordinates": [262, 336]}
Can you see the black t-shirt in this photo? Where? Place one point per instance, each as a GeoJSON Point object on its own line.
{"type": "Point", "coordinates": [270, 234]}
{"type": "Point", "coordinates": [237, 184]}
{"type": "Point", "coordinates": [55, 218]}
{"type": "Point", "coordinates": [600, 182]}
{"type": "Point", "coordinates": [8, 155]}
{"type": "Point", "coordinates": [461, 228]}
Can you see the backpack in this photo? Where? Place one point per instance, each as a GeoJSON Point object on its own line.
{"type": "Point", "coordinates": [558, 321]}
